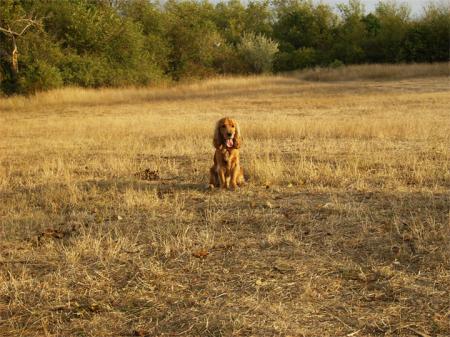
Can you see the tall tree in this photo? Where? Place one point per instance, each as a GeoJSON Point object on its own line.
{"type": "Point", "coordinates": [393, 25]}
{"type": "Point", "coordinates": [304, 33]}
{"type": "Point", "coordinates": [427, 39]}
{"type": "Point", "coordinates": [194, 38]}
{"type": "Point", "coordinates": [351, 33]}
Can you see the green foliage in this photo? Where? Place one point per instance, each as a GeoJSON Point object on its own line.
{"type": "Point", "coordinates": [428, 38]}
{"type": "Point", "coordinates": [102, 47]}
{"type": "Point", "coordinates": [233, 19]}
{"type": "Point", "coordinates": [39, 76]}
{"type": "Point", "coordinates": [351, 33]}
{"type": "Point", "coordinates": [139, 42]}
{"type": "Point", "coordinates": [336, 64]}
{"type": "Point", "coordinates": [86, 71]}
{"type": "Point", "coordinates": [305, 57]}
{"type": "Point", "coordinates": [304, 33]}
{"type": "Point", "coordinates": [257, 53]}
{"type": "Point", "coordinates": [390, 25]}
{"type": "Point", "coordinates": [229, 18]}
{"type": "Point", "coordinates": [154, 28]}
{"type": "Point", "coordinates": [194, 38]}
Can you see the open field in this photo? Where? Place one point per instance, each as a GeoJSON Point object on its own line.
{"type": "Point", "coordinates": [342, 230]}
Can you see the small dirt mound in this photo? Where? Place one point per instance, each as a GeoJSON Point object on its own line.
{"type": "Point", "coordinates": [148, 174]}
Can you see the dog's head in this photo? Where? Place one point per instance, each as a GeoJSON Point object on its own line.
{"type": "Point", "coordinates": [227, 134]}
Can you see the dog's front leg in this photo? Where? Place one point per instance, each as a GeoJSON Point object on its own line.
{"type": "Point", "coordinates": [235, 172]}
{"type": "Point", "coordinates": [213, 178]}
{"type": "Point", "coordinates": [222, 178]}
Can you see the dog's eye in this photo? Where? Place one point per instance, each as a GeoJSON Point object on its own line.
{"type": "Point", "coordinates": [232, 126]}
{"type": "Point", "coordinates": [223, 126]}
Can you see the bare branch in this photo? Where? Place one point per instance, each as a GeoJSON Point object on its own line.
{"type": "Point", "coordinates": [26, 27]}
{"type": "Point", "coordinates": [7, 31]}
{"type": "Point", "coordinates": [30, 22]}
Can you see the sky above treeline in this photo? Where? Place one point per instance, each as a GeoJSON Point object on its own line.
{"type": "Point", "coordinates": [415, 5]}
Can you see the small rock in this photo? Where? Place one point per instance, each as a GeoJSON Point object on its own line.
{"type": "Point", "coordinates": [201, 254]}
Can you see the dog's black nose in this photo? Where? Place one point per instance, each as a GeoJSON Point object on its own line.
{"type": "Point", "coordinates": [229, 134]}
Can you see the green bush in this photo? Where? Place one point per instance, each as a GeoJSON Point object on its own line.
{"type": "Point", "coordinates": [428, 38]}
{"type": "Point", "coordinates": [102, 47]}
{"type": "Point", "coordinates": [305, 32]}
{"type": "Point", "coordinates": [39, 76]}
{"type": "Point", "coordinates": [84, 70]}
{"type": "Point", "coordinates": [305, 58]}
{"type": "Point", "coordinates": [336, 64]}
{"type": "Point", "coordinates": [257, 53]}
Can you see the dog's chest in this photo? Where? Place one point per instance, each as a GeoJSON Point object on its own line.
{"type": "Point", "coordinates": [226, 157]}
{"type": "Point", "coordinates": [226, 160]}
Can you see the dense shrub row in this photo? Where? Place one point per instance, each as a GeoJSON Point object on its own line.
{"type": "Point", "coordinates": [136, 42]}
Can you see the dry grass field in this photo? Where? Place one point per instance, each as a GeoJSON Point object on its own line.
{"type": "Point", "coordinates": [107, 227]}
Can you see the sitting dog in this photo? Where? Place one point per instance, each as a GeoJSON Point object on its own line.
{"type": "Point", "coordinates": [226, 171]}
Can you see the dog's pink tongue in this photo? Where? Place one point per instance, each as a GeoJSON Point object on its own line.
{"type": "Point", "coordinates": [229, 143]}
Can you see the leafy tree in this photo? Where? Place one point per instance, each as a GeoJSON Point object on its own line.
{"type": "Point", "coordinates": [351, 33]}
{"type": "Point", "coordinates": [258, 18]}
{"type": "Point", "coordinates": [195, 40]}
{"type": "Point", "coordinates": [100, 46]}
{"type": "Point", "coordinates": [153, 24]}
{"type": "Point", "coordinates": [229, 18]}
{"type": "Point", "coordinates": [26, 52]}
{"type": "Point", "coordinates": [372, 26]}
{"type": "Point", "coordinates": [304, 32]}
{"type": "Point", "coordinates": [257, 52]}
{"type": "Point", "coordinates": [393, 21]}
{"type": "Point", "coordinates": [233, 19]}
{"type": "Point", "coordinates": [427, 39]}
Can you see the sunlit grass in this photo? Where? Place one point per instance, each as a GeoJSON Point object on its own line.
{"type": "Point", "coordinates": [342, 227]}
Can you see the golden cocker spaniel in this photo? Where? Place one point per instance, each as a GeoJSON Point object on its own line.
{"type": "Point", "coordinates": [226, 171]}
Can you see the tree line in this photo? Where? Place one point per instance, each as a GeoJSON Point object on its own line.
{"type": "Point", "coordinates": [91, 43]}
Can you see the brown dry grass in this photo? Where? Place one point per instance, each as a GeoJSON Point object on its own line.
{"type": "Point", "coordinates": [376, 72]}
{"type": "Point", "coordinates": [343, 229]}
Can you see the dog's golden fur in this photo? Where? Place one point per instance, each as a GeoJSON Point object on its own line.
{"type": "Point", "coordinates": [226, 171]}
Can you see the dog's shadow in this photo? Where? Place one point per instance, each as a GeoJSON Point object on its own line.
{"type": "Point", "coordinates": [161, 185]}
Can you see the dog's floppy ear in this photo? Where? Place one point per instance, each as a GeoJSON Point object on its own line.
{"type": "Point", "coordinates": [217, 140]}
{"type": "Point", "coordinates": [237, 136]}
